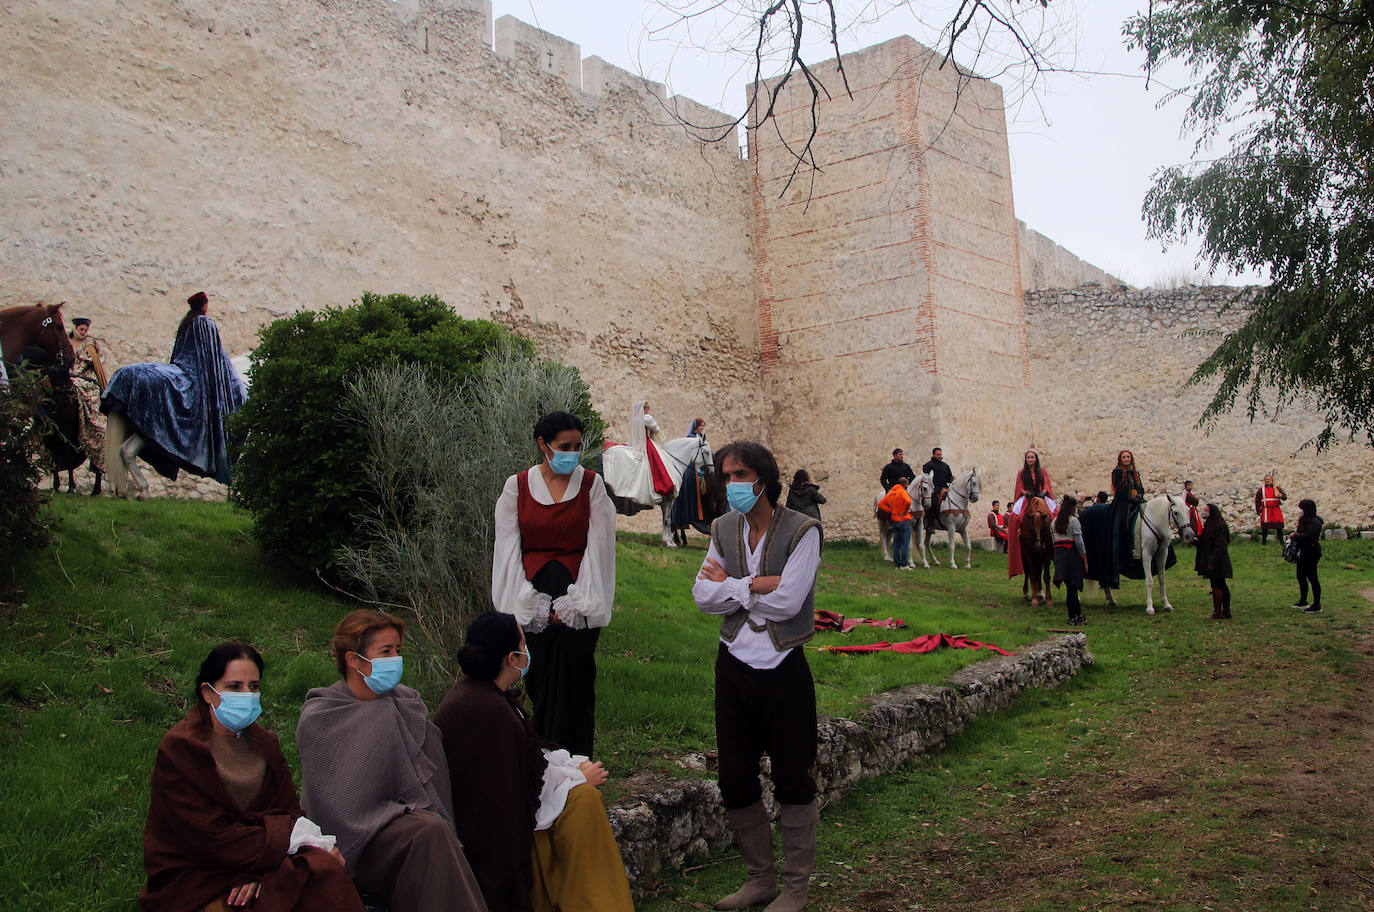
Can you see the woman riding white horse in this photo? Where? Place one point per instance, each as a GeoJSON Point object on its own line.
{"type": "Point", "coordinates": [1163, 519]}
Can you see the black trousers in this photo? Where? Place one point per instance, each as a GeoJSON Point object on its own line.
{"type": "Point", "coordinates": [771, 712]}
{"type": "Point", "coordinates": [1307, 573]}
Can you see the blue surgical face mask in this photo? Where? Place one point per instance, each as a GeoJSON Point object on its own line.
{"type": "Point", "coordinates": [237, 709]}
{"type": "Point", "coordinates": [741, 495]}
{"type": "Point", "coordinates": [564, 461]}
{"type": "Point", "coordinates": [386, 674]}
{"type": "Point", "coordinates": [528, 661]}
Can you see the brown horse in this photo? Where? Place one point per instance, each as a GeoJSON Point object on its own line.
{"type": "Point", "coordinates": [1037, 551]}
{"type": "Point", "coordinates": [35, 324]}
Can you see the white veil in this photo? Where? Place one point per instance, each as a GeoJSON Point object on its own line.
{"type": "Point", "coordinates": [638, 435]}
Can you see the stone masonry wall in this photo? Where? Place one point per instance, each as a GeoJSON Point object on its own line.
{"type": "Point", "coordinates": [888, 282]}
{"type": "Point", "coordinates": [287, 156]}
{"type": "Point", "coordinates": [1044, 264]}
{"type": "Point", "coordinates": [1107, 372]}
{"type": "Point", "coordinates": [664, 825]}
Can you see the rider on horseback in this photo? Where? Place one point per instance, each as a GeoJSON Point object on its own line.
{"type": "Point", "coordinates": [942, 476]}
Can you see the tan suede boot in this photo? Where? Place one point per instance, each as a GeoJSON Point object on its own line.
{"type": "Point", "coordinates": [798, 855]}
{"type": "Point", "coordinates": [754, 837]}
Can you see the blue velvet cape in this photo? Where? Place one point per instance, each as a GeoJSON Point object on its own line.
{"type": "Point", "coordinates": [179, 408]}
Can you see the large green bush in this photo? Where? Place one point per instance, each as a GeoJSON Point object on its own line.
{"type": "Point", "coordinates": [300, 468]}
{"type": "Point", "coordinates": [21, 456]}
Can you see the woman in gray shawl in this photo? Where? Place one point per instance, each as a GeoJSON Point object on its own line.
{"type": "Point", "coordinates": [373, 766]}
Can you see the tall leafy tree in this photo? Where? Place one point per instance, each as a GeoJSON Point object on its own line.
{"type": "Point", "coordinates": [1290, 84]}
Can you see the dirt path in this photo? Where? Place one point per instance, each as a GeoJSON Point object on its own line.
{"type": "Point", "coordinates": [1250, 791]}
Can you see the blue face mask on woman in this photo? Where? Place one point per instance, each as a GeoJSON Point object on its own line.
{"type": "Point", "coordinates": [528, 660]}
{"type": "Point", "coordinates": [386, 674]}
{"type": "Point", "coordinates": [741, 495]}
{"type": "Point", "coordinates": [237, 709]}
{"type": "Point", "coordinates": [564, 461]}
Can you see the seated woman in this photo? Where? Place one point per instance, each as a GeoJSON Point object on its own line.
{"type": "Point", "coordinates": [225, 827]}
{"type": "Point", "coordinates": [531, 816]}
{"type": "Point", "coordinates": [375, 774]}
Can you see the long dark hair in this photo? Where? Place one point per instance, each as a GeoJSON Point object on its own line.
{"type": "Point", "coordinates": [1032, 480]}
{"type": "Point", "coordinates": [800, 479]}
{"type": "Point", "coordinates": [490, 638]}
{"type": "Point", "coordinates": [212, 669]}
{"type": "Point", "coordinates": [195, 307]}
{"type": "Point", "coordinates": [1067, 507]}
{"type": "Point", "coordinates": [756, 457]}
{"type": "Point", "coordinates": [1213, 523]}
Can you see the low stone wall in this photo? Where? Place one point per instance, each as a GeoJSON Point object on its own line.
{"type": "Point", "coordinates": [668, 823]}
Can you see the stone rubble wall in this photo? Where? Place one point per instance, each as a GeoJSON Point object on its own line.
{"type": "Point", "coordinates": [1108, 368]}
{"type": "Point", "coordinates": [667, 824]}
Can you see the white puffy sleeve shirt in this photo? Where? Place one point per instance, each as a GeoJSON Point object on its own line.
{"type": "Point", "coordinates": [590, 598]}
{"type": "Point", "coordinates": [755, 647]}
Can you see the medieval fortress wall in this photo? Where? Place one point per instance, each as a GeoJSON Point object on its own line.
{"type": "Point", "coordinates": [288, 156]}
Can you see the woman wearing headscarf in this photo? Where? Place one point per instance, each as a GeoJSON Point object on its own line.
{"type": "Point", "coordinates": [553, 568]}
{"type": "Point", "coordinates": [529, 813]}
{"type": "Point", "coordinates": [225, 828]}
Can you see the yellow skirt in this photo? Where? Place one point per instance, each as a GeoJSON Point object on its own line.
{"type": "Point", "coordinates": [577, 865]}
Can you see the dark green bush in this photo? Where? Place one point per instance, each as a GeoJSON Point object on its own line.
{"type": "Point", "coordinates": [300, 468]}
{"type": "Point", "coordinates": [21, 457]}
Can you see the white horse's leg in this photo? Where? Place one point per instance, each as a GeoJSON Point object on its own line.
{"type": "Point", "coordinates": [968, 550]}
{"type": "Point", "coordinates": [1111, 596]}
{"type": "Point", "coordinates": [128, 454]}
{"type": "Point", "coordinates": [1162, 558]}
{"type": "Point", "coordinates": [667, 508]}
{"type": "Point", "coordinates": [1148, 562]}
{"type": "Point", "coordinates": [885, 539]}
{"type": "Point", "coordinates": [921, 543]}
{"type": "Point", "coordinates": [953, 562]}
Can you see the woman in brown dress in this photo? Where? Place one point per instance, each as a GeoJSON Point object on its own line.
{"type": "Point", "coordinates": [225, 828]}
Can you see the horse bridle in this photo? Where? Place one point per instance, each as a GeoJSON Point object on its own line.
{"type": "Point", "coordinates": [59, 354]}
{"type": "Point", "coordinates": [1175, 527]}
{"type": "Point", "coordinates": [949, 494]}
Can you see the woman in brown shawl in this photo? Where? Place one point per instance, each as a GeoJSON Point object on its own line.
{"type": "Point", "coordinates": [225, 828]}
{"type": "Point", "coordinates": [529, 813]}
{"type": "Point", "coordinates": [375, 775]}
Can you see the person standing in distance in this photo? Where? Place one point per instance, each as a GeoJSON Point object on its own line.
{"type": "Point", "coordinates": [760, 577]}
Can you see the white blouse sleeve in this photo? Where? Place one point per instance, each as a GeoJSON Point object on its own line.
{"type": "Point", "coordinates": [730, 594]}
{"type": "Point", "coordinates": [591, 597]}
{"type": "Point", "coordinates": [561, 775]}
{"type": "Point", "coordinates": [511, 593]}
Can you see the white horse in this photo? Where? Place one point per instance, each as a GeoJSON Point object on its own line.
{"type": "Point", "coordinates": [1163, 519]}
{"type": "Point", "coordinates": [954, 518]}
{"type": "Point", "coordinates": [683, 455]}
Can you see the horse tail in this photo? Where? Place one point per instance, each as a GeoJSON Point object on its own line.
{"type": "Point", "coordinates": [115, 432]}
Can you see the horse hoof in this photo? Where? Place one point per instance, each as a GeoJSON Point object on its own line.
{"type": "Point", "coordinates": [1150, 611]}
{"type": "Point", "coordinates": [1168, 607]}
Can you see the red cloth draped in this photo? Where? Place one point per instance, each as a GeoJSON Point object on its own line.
{"type": "Point", "coordinates": [833, 620]}
{"type": "Point", "coordinates": [928, 643]}
{"type": "Point", "coordinates": [663, 482]}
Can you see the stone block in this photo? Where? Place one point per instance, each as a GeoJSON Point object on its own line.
{"type": "Point", "coordinates": [1367, 533]}
{"type": "Point", "coordinates": [1336, 534]}
{"type": "Point", "coordinates": [602, 78]}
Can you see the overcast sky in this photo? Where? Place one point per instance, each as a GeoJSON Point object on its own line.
{"type": "Point", "coordinates": [1083, 143]}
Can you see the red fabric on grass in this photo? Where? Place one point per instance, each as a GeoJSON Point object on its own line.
{"type": "Point", "coordinates": [928, 643]}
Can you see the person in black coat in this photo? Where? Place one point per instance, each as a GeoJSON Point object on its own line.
{"type": "Point", "coordinates": [804, 496]}
{"type": "Point", "coordinates": [896, 470]}
{"type": "Point", "coordinates": [1214, 560]}
{"type": "Point", "coordinates": [1308, 536]}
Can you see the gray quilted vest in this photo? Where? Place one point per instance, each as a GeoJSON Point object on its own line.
{"type": "Point", "coordinates": [784, 531]}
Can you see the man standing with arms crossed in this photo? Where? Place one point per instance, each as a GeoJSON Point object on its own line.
{"type": "Point", "coordinates": [760, 576]}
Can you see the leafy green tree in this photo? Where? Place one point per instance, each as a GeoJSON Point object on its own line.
{"type": "Point", "coordinates": [22, 524]}
{"type": "Point", "coordinates": [1290, 81]}
{"type": "Point", "coordinates": [300, 469]}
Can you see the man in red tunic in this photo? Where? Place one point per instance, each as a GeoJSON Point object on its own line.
{"type": "Point", "coordinates": [1267, 501]}
{"type": "Point", "coordinates": [997, 526]}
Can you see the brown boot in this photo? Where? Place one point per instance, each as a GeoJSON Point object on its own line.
{"type": "Point", "coordinates": [798, 855]}
{"type": "Point", "coordinates": [754, 837]}
{"type": "Point", "coordinates": [1226, 606]}
{"type": "Point", "coordinates": [1216, 605]}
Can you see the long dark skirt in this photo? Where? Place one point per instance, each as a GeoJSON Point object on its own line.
{"type": "Point", "coordinates": [1068, 566]}
{"type": "Point", "coordinates": [562, 676]}
{"type": "Point", "coordinates": [685, 507]}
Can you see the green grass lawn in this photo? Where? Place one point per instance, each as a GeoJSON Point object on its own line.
{"type": "Point", "coordinates": [119, 613]}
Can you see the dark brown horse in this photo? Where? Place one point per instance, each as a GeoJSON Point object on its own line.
{"type": "Point", "coordinates": [35, 325]}
{"type": "Point", "coordinates": [1036, 540]}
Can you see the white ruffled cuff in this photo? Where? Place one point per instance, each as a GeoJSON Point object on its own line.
{"type": "Point", "coordinates": [569, 611]}
{"type": "Point", "coordinates": [307, 833]}
{"type": "Point", "coordinates": [533, 611]}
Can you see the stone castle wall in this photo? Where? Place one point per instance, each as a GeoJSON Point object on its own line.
{"type": "Point", "coordinates": [1044, 264]}
{"type": "Point", "coordinates": [287, 156]}
{"type": "Point", "coordinates": [1107, 373]}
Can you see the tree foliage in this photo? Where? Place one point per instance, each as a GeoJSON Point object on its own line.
{"type": "Point", "coordinates": [300, 471]}
{"type": "Point", "coordinates": [1292, 82]}
{"type": "Point", "coordinates": [22, 524]}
